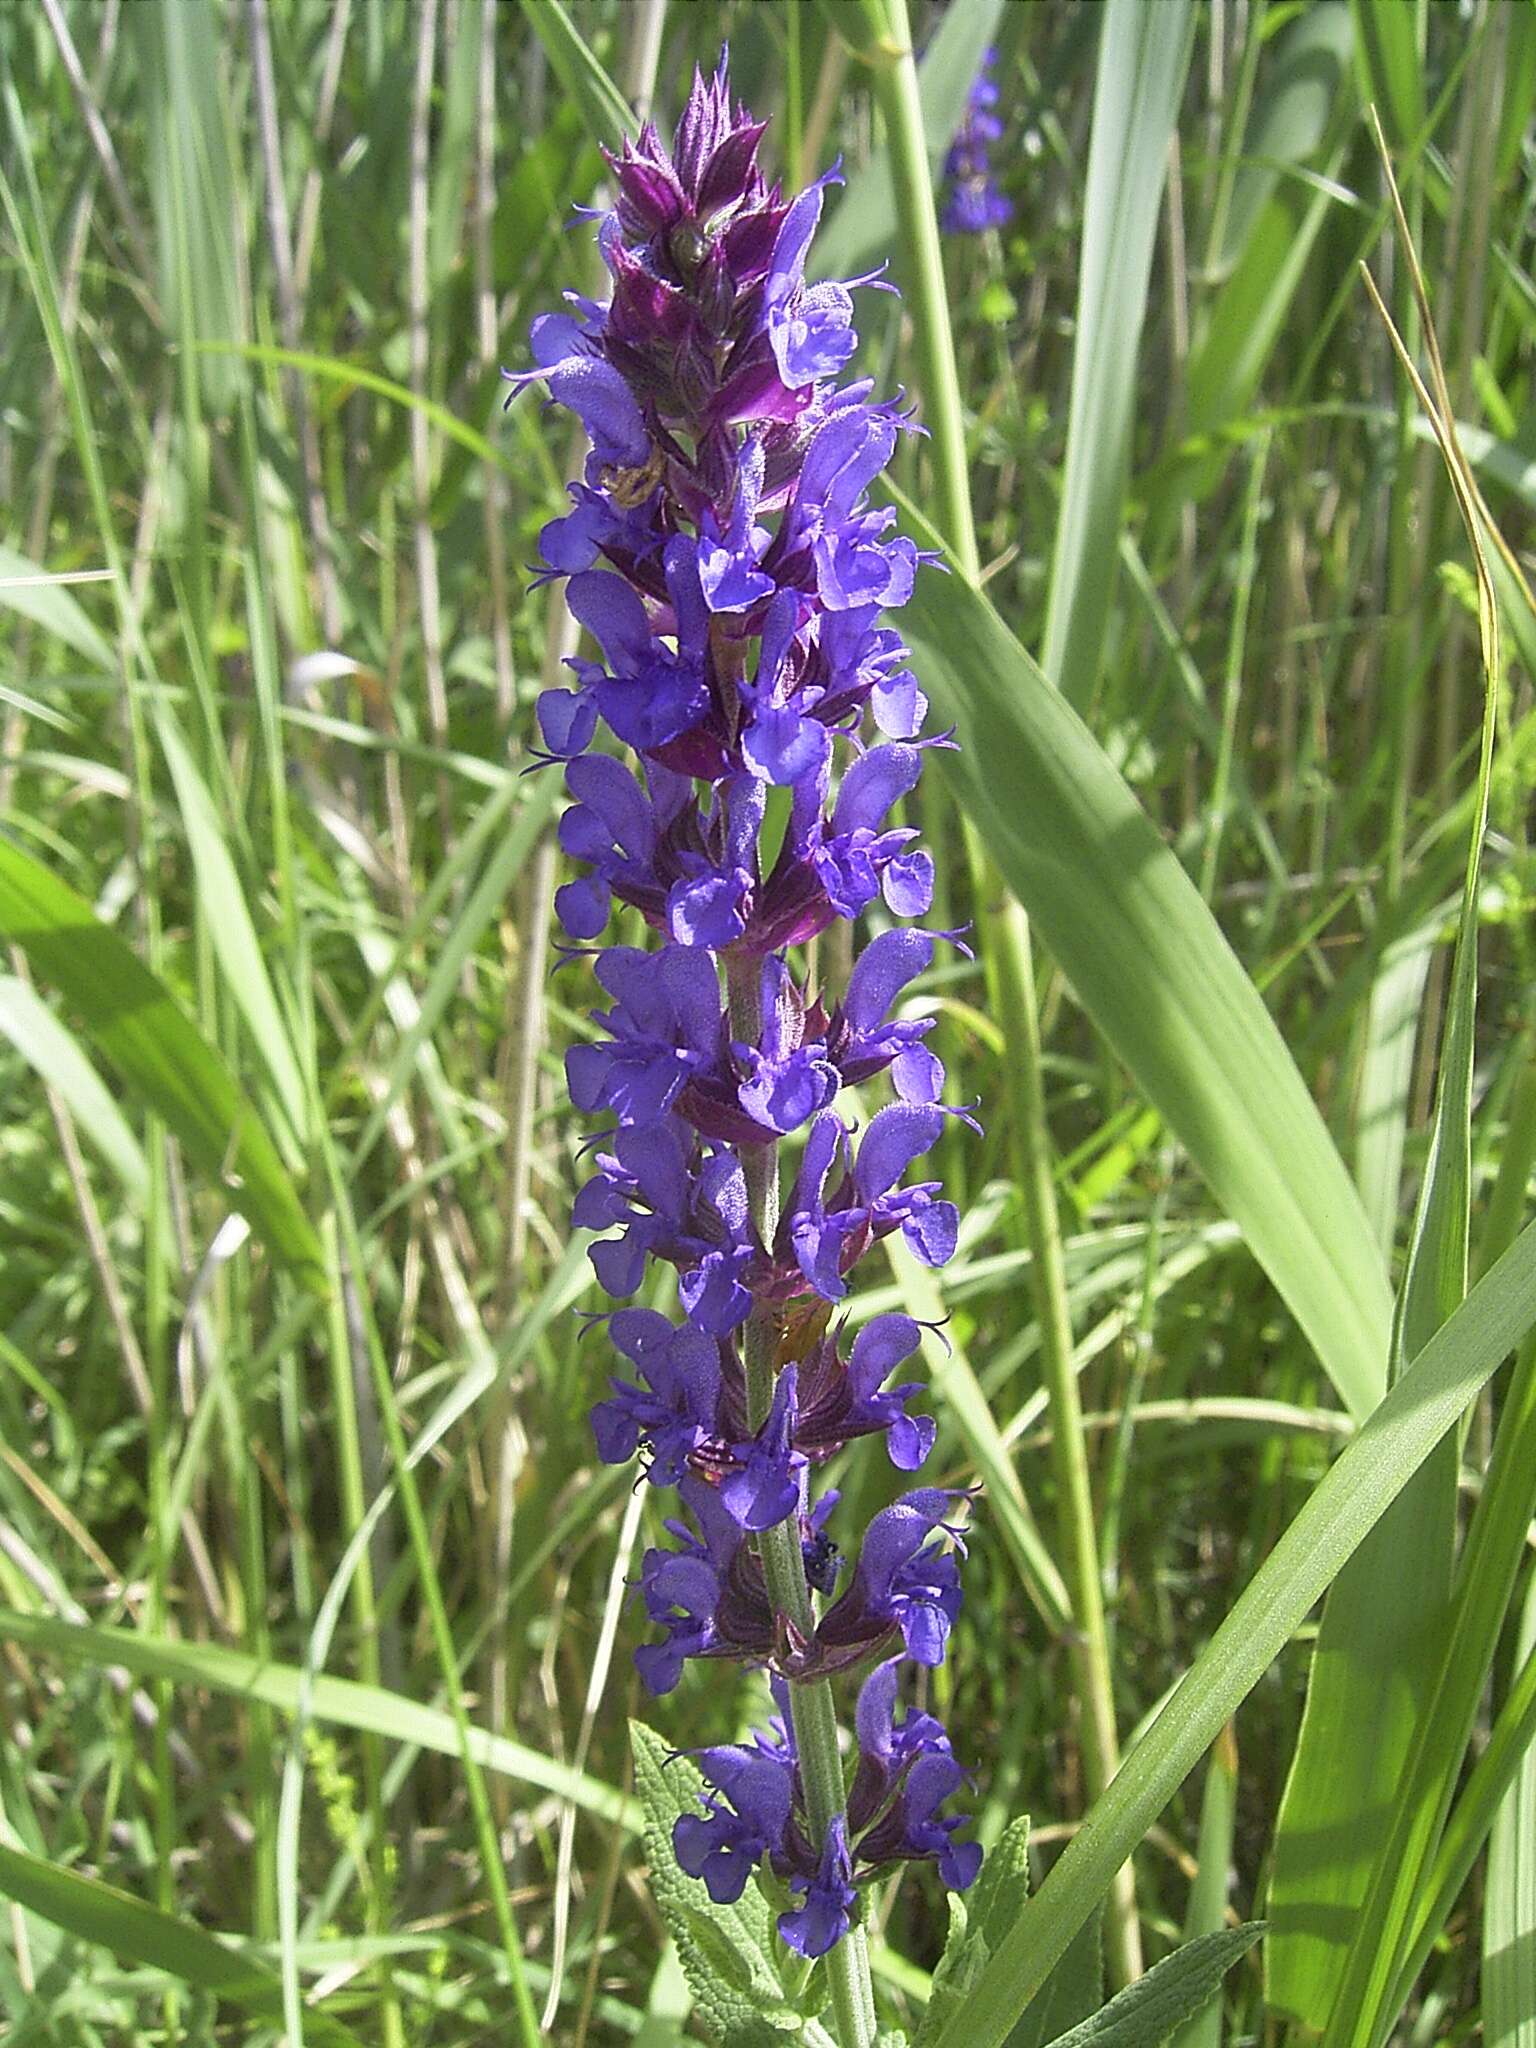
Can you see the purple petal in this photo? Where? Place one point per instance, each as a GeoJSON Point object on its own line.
{"type": "Point", "coordinates": [896, 1136]}
{"type": "Point", "coordinates": [881, 972]}
{"type": "Point", "coordinates": [932, 1232]}
{"type": "Point", "coordinates": [875, 782]}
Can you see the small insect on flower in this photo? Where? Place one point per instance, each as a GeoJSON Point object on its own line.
{"type": "Point", "coordinates": [631, 486]}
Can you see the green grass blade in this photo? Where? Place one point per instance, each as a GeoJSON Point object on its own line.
{"type": "Point", "coordinates": [1143, 57]}
{"type": "Point", "coordinates": [136, 1023]}
{"type": "Point", "coordinates": [101, 1914]}
{"type": "Point", "coordinates": [1386, 49]}
{"type": "Point", "coordinates": [1207, 1912]}
{"type": "Point", "coordinates": [1509, 1904]}
{"type": "Point", "coordinates": [1411, 1672]}
{"type": "Point", "coordinates": [342, 1702]}
{"type": "Point", "coordinates": [1154, 972]}
{"type": "Point", "coordinates": [49, 1047]}
{"type": "Point", "coordinates": [46, 601]}
{"type": "Point", "coordinates": [603, 107]}
{"type": "Point", "coordinates": [221, 900]}
{"type": "Point", "coordinates": [1391, 1446]}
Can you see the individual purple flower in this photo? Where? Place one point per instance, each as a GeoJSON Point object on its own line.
{"type": "Point", "coordinates": [708, 1595]}
{"type": "Point", "coordinates": [827, 1233]}
{"type": "Point", "coordinates": [829, 1898]}
{"type": "Point", "coordinates": [974, 203]}
{"type": "Point", "coordinates": [674, 1414]}
{"type": "Point", "coordinates": [838, 1402]}
{"type": "Point", "coordinates": [672, 1201]}
{"type": "Point", "coordinates": [765, 1486]}
{"type": "Point", "coordinates": [906, 1771]}
{"type": "Point", "coordinates": [907, 1580]}
{"type": "Point", "coordinates": [741, 1827]}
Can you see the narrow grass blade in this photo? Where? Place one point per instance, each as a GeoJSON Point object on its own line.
{"type": "Point", "coordinates": [1153, 970]}
{"type": "Point", "coordinates": [603, 107]}
{"type": "Point", "coordinates": [1207, 1912]}
{"type": "Point", "coordinates": [136, 1023]}
{"type": "Point", "coordinates": [1387, 51]}
{"type": "Point", "coordinates": [1416, 1672]}
{"type": "Point", "coordinates": [1391, 1446]}
{"type": "Point", "coordinates": [1143, 58]}
{"type": "Point", "coordinates": [1509, 1904]}
{"type": "Point", "coordinates": [222, 903]}
{"type": "Point", "coordinates": [109, 1918]}
{"type": "Point", "coordinates": [46, 601]}
{"type": "Point", "coordinates": [53, 1051]}
{"type": "Point", "coordinates": [340, 1701]}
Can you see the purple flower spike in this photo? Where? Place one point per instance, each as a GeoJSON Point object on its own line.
{"type": "Point", "coordinates": [731, 576]}
{"type": "Point", "coordinates": [975, 203]}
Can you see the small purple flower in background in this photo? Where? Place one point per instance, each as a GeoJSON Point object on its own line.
{"type": "Point", "coordinates": [973, 203]}
{"type": "Point", "coordinates": [725, 560]}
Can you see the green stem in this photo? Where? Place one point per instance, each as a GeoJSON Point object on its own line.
{"type": "Point", "coordinates": [1010, 960]}
{"type": "Point", "coordinates": [812, 1710]}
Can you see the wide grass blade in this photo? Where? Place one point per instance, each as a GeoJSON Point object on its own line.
{"type": "Point", "coordinates": [54, 1052]}
{"type": "Point", "coordinates": [1151, 967]}
{"type": "Point", "coordinates": [137, 1024]}
{"type": "Point", "coordinates": [1143, 58]}
{"type": "Point", "coordinates": [1391, 1446]}
{"type": "Point", "coordinates": [101, 1914]}
{"type": "Point", "coordinates": [342, 1702]}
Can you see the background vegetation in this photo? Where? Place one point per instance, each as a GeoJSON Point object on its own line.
{"type": "Point", "coordinates": [299, 1415]}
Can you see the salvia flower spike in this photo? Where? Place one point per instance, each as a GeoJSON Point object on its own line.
{"type": "Point", "coordinates": [974, 202]}
{"type": "Point", "coordinates": [724, 557]}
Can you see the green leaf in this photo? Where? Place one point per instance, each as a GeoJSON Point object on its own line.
{"type": "Point", "coordinates": [342, 1702]}
{"type": "Point", "coordinates": [1073, 1992]}
{"type": "Point", "coordinates": [1351, 1498]}
{"type": "Point", "coordinates": [742, 2009]}
{"type": "Point", "coordinates": [138, 1026]}
{"type": "Point", "coordinates": [863, 225]}
{"type": "Point", "coordinates": [1152, 969]}
{"type": "Point", "coordinates": [46, 601]}
{"type": "Point", "coordinates": [222, 903]}
{"type": "Point", "coordinates": [1143, 57]}
{"type": "Point", "coordinates": [101, 1914]}
{"type": "Point", "coordinates": [46, 1045]}
{"type": "Point", "coordinates": [1003, 1886]}
{"type": "Point", "coordinates": [1148, 2011]}
{"type": "Point", "coordinates": [978, 1920]}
